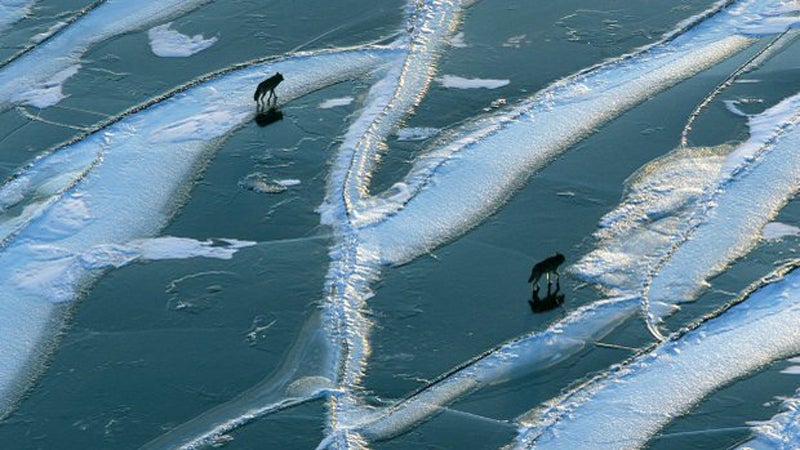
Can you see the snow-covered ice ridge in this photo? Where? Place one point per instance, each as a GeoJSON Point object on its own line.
{"type": "Point", "coordinates": [528, 136]}
{"type": "Point", "coordinates": [53, 203]}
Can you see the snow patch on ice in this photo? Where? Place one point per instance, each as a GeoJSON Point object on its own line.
{"type": "Point", "coordinates": [168, 43]}
{"type": "Point", "coordinates": [57, 270]}
{"type": "Point", "coordinates": [791, 370]}
{"type": "Point", "coordinates": [456, 82]}
{"type": "Point", "coordinates": [48, 93]}
{"type": "Point", "coordinates": [334, 102]}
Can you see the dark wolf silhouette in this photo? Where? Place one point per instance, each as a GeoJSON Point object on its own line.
{"type": "Point", "coordinates": [546, 267]}
{"type": "Point", "coordinates": [550, 301]}
{"type": "Point", "coordinates": [267, 86]}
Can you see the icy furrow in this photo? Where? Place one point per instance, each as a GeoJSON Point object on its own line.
{"type": "Point", "coordinates": [781, 432]}
{"type": "Point", "coordinates": [126, 181]}
{"type": "Point", "coordinates": [456, 185]}
{"type": "Point", "coordinates": [431, 23]}
{"type": "Point", "coordinates": [354, 269]}
{"type": "Point", "coordinates": [50, 63]}
{"type": "Point", "coordinates": [629, 404]}
{"type": "Point", "coordinates": [773, 135]}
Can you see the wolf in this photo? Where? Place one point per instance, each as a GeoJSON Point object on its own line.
{"type": "Point", "coordinates": [546, 267]}
{"type": "Point", "coordinates": [265, 86]}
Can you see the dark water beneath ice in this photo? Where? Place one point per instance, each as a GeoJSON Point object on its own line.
{"type": "Point", "coordinates": [154, 344]}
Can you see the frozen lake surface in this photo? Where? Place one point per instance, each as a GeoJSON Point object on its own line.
{"type": "Point", "coordinates": [353, 274]}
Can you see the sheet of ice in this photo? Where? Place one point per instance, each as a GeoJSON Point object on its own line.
{"type": "Point", "coordinates": [526, 137]}
{"type": "Point", "coordinates": [26, 74]}
{"type": "Point", "coordinates": [99, 200]}
{"type": "Point", "coordinates": [791, 370]}
{"type": "Point", "coordinates": [334, 102]}
{"type": "Point", "coordinates": [416, 133]}
{"type": "Point", "coordinates": [13, 10]}
{"type": "Point", "coordinates": [626, 406]}
{"type": "Point", "coordinates": [757, 179]}
{"type": "Point", "coordinates": [522, 356]}
{"type": "Point", "coordinates": [456, 82]}
{"type": "Point", "coordinates": [775, 231]}
{"type": "Point", "coordinates": [168, 43]}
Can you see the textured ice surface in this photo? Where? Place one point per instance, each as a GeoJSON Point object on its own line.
{"type": "Point", "coordinates": [469, 186]}
{"type": "Point", "coordinates": [626, 406]}
{"type": "Point", "coordinates": [687, 216]}
{"type": "Point", "coordinates": [781, 432]}
{"type": "Point", "coordinates": [166, 42]}
{"type": "Point", "coordinates": [98, 199]}
{"type": "Point", "coordinates": [13, 10]}
{"type": "Point", "coordinates": [28, 73]}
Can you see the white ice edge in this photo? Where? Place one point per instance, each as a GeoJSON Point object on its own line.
{"type": "Point", "coordinates": [586, 325]}
{"type": "Point", "coordinates": [630, 403]}
{"type": "Point", "coordinates": [24, 76]}
{"type": "Point", "coordinates": [439, 196]}
{"type": "Point", "coordinates": [99, 200]}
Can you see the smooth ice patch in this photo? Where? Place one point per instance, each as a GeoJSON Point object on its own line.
{"type": "Point", "coordinates": [168, 43]}
{"type": "Point", "coordinates": [791, 370]}
{"type": "Point", "coordinates": [455, 82]}
{"type": "Point", "coordinates": [775, 231]}
{"type": "Point", "coordinates": [288, 182]}
{"type": "Point", "coordinates": [334, 102]}
{"type": "Point", "coordinates": [416, 133]}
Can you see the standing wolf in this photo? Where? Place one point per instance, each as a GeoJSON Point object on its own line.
{"type": "Point", "coordinates": [265, 86]}
{"type": "Point", "coordinates": [546, 267]}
